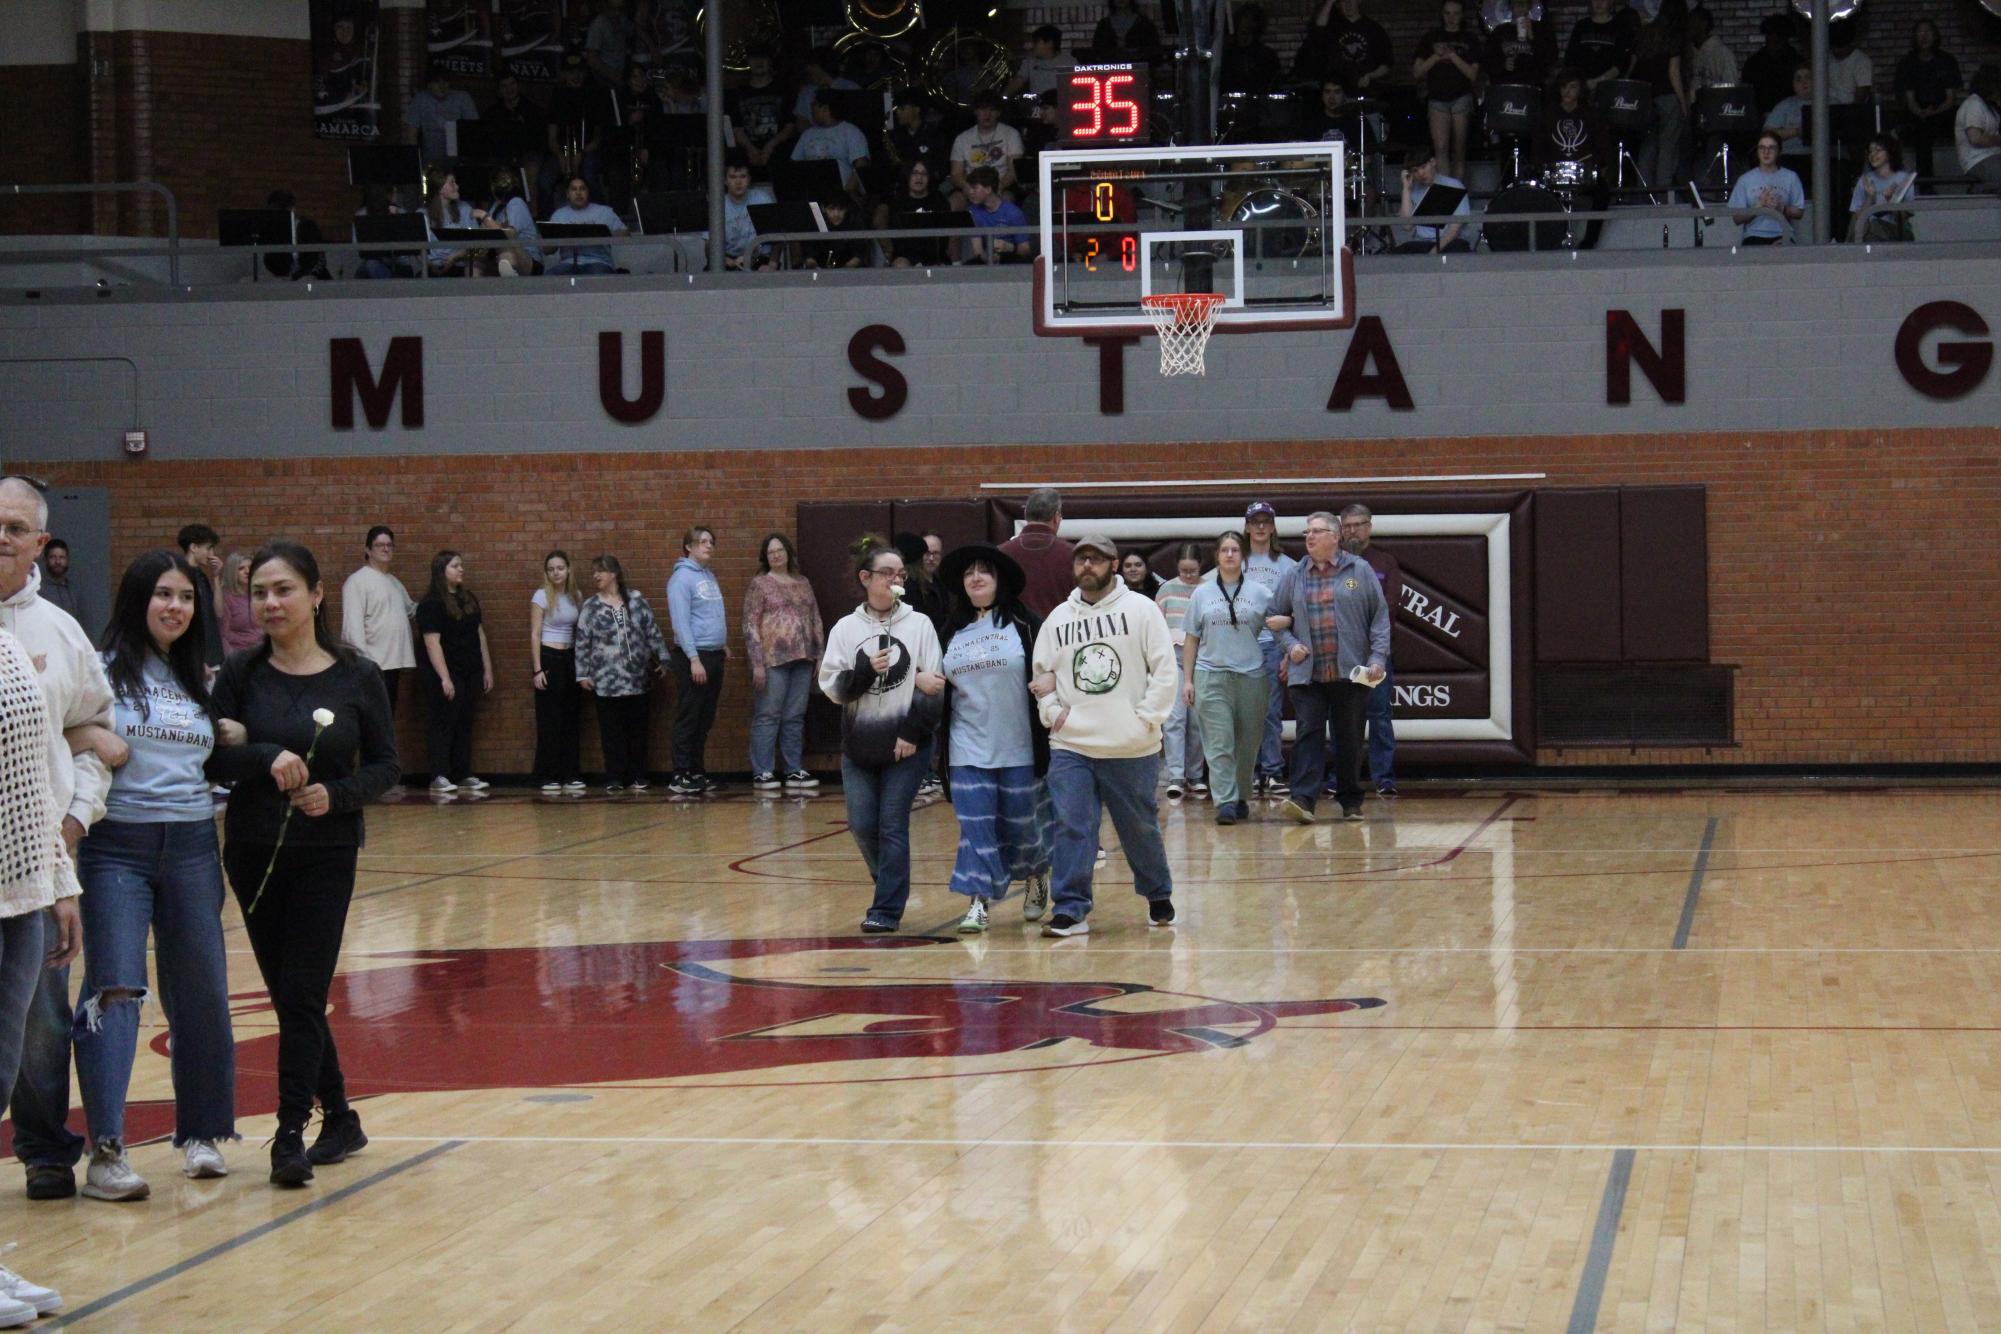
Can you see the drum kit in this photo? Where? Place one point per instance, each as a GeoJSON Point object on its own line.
{"type": "Point", "coordinates": [1565, 185]}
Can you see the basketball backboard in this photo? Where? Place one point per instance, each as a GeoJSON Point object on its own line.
{"type": "Point", "coordinates": [1261, 224]}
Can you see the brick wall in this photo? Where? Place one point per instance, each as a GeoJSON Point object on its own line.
{"type": "Point", "coordinates": [1842, 575]}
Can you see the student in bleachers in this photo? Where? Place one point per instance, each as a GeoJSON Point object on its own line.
{"type": "Point", "coordinates": [1927, 90]}
{"type": "Point", "coordinates": [1447, 64]}
{"type": "Point", "coordinates": [1771, 186]}
{"type": "Point", "coordinates": [580, 209]}
{"type": "Point", "coordinates": [1976, 130]}
{"type": "Point", "coordinates": [908, 205]}
{"type": "Point", "coordinates": [1883, 181]}
{"type": "Point", "coordinates": [991, 210]}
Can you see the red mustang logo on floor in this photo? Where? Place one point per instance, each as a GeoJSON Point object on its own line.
{"type": "Point", "coordinates": [445, 1020]}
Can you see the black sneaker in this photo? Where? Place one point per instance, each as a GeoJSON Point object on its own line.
{"type": "Point", "coordinates": [877, 925]}
{"type": "Point", "coordinates": [765, 782]}
{"type": "Point", "coordinates": [51, 1181]}
{"type": "Point", "coordinates": [1176, 789]}
{"type": "Point", "coordinates": [1063, 924]}
{"type": "Point", "coordinates": [706, 784]}
{"type": "Point", "coordinates": [802, 780]}
{"type": "Point", "coordinates": [1386, 788]}
{"type": "Point", "coordinates": [1243, 810]}
{"type": "Point", "coordinates": [340, 1138]}
{"type": "Point", "coordinates": [1351, 812]}
{"type": "Point", "coordinates": [684, 785]}
{"type": "Point", "coordinates": [1277, 787]}
{"type": "Point", "coordinates": [1226, 813]}
{"type": "Point", "coordinates": [1160, 912]}
{"type": "Point", "coordinates": [289, 1164]}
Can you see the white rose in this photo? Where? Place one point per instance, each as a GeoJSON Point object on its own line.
{"type": "Point", "coordinates": [323, 717]}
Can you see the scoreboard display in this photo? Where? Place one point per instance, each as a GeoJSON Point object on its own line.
{"type": "Point", "coordinates": [1104, 106]}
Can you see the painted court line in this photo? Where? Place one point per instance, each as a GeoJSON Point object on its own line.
{"type": "Point", "coordinates": [257, 1233]}
{"type": "Point", "coordinates": [1695, 885]}
{"type": "Point", "coordinates": [1261, 1146]}
{"type": "Point", "coordinates": [1591, 1286]}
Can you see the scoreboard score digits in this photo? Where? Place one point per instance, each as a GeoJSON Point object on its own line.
{"type": "Point", "coordinates": [1105, 104]}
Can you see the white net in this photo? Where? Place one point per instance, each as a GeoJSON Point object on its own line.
{"type": "Point", "coordinates": [1184, 321]}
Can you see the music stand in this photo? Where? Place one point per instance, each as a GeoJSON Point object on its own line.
{"type": "Point", "coordinates": [1626, 104]}
{"type": "Point", "coordinates": [1727, 110]}
{"type": "Point", "coordinates": [681, 141]}
{"type": "Point", "coordinates": [808, 182]}
{"type": "Point", "coordinates": [573, 231]}
{"type": "Point", "coordinates": [384, 164]}
{"type": "Point", "coordinates": [256, 226]}
{"type": "Point", "coordinates": [1512, 111]}
{"type": "Point", "coordinates": [401, 228]}
{"type": "Point", "coordinates": [669, 211]}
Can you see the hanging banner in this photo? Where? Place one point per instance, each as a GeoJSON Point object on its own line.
{"type": "Point", "coordinates": [459, 36]}
{"type": "Point", "coordinates": [347, 69]}
{"type": "Point", "coordinates": [529, 36]}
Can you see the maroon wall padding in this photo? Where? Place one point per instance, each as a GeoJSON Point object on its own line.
{"type": "Point", "coordinates": [1577, 588]}
{"type": "Point", "coordinates": [1664, 573]}
{"type": "Point", "coordinates": [826, 530]}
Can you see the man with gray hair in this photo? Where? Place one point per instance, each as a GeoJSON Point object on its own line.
{"type": "Point", "coordinates": [1334, 628]}
{"type": "Point", "coordinates": [77, 693]}
{"type": "Point", "coordinates": [1043, 556]}
{"type": "Point", "coordinates": [1357, 532]}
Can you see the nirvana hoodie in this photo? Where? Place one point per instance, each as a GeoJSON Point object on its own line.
{"type": "Point", "coordinates": [1114, 666]}
{"type": "Point", "coordinates": [878, 711]}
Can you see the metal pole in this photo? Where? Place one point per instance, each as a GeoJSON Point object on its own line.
{"type": "Point", "coordinates": [1823, 130]}
{"type": "Point", "coordinates": [712, 31]}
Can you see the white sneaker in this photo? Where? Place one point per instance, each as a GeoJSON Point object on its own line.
{"type": "Point", "coordinates": [110, 1175]}
{"type": "Point", "coordinates": [1035, 899]}
{"type": "Point", "coordinates": [506, 267]}
{"type": "Point", "coordinates": [574, 785]}
{"type": "Point", "coordinates": [443, 784]}
{"type": "Point", "coordinates": [975, 920]}
{"type": "Point", "coordinates": [204, 1162]}
{"type": "Point", "coordinates": [476, 784]}
{"type": "Point", "coordinates": [551, 789]}
{"type": "Point", "coordinates": [16, 1314]}
{"type": "Point", "coordinates": [34, 1296]}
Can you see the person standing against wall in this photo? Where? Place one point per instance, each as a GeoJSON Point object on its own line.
{"type": "Point", "coordinates": [696, 619]}
{"type": "Point", "coordinates": [375, 612]}
{"type": "Point", "coordinates": [461, 671]}
{"type": "Point", "coordinates": [619, 653]}
{"type": "Point", "coordinates": [782, 637]}
{"type": "Point", "coordinates": [552, 655]}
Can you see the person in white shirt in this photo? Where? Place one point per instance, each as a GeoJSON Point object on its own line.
{"type": "Point", "coordinates": [989, 143]}
{"type": "Point", "coordinates": [833, 139]}
{"type": "Point", "coordinates": [1850, 75]}
{"type": "Point", "coordinates": [1047, 66]}
{"type": "Point", "coordinates": [1976, 130]}
{"type": "Point", "coordinates": [375, 611]}
{"type": "Point", "coordinates": [1713, 66]}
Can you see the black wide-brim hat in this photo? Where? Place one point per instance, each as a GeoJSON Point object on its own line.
{"type": "Point", "coordinates": [952, 570]}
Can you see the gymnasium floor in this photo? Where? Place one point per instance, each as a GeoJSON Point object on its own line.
{"type": "Point", "coordinates": [1707, 1059]}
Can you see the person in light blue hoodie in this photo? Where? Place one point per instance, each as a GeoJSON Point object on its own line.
{"type": "Point", "coordinates": [700, 646]}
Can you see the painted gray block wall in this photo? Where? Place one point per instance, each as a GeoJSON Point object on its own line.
{"type": "Point", "coordinates": [1489, 345]}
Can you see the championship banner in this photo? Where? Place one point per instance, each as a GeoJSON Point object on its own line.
{"type": "Point", "coordinates": [529, 37]}
{"type": "Point", "coordinates": [459, 36]}
{"type": "Point", "coordinates": [347, 69]}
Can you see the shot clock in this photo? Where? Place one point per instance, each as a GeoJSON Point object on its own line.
{"type": "Point", "coordinates": [1104, 105]}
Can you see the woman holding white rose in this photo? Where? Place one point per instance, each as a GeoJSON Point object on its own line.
{"type": "Point", "coordinates": [305, 734]}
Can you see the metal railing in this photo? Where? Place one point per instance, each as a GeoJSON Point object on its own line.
{"type": "Point", "coordinates": [173, 251]}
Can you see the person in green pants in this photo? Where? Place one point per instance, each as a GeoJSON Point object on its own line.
{"type": "Point", "coordinates": [1225, 673]}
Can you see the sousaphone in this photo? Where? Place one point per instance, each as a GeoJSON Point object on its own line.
{"type": "Point", "coordinates": [747, 25]}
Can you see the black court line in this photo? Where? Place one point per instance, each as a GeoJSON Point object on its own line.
{"type": "Point", "coordinates": [262, 1230]}
{"type": "Point", "coordinates": [1695, 885]}
{"type": "Point", "coordinates": [1591, 1287]}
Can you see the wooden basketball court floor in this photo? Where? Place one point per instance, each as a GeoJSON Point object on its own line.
{"type": "Point", "coordinates": [1703, 1059]}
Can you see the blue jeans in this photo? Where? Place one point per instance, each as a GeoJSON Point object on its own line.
{"type": "Point", "coordinates": [779, 718]}
{"type": "Point", "coordinates": [40, 1104]}
{"type": "Point", "coordinates": [1382, 733]}
{"type": "Point", "coordinates": [879, 818]}
{"type": "Point", "coordinates": [20, 969]}
{"type": "Point", "coordinates": [166, 877]}
{"type": "Point", "coordinates": [1271, 759]}
{"type": "Point", "coordinates": [1181, 736]}
{"type": "Point", "coordinates": [1081, 788]}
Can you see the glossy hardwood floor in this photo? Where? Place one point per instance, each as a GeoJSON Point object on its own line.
{"type": "Point", "coordinates": [1697, 1060]}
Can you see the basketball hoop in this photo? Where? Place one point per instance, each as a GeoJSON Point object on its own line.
{"type": "Point", "coordinates": [1184, 321]}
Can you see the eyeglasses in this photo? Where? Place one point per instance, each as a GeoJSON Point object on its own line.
{"type": "Point", "coordinates": [18, 532]}
{"type": "Point", "coordinates": [1320, 532]}
{"type": "Point", "coordinates": [896, 573]}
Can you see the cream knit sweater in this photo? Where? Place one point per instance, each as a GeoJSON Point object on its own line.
{"type": "Point", "coordinates": [35, 868]}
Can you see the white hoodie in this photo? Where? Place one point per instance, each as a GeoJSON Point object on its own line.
{"type": "Point", "coordinates": [74, 687]}
{"type": "Point", "coordinates": [1114, 666]}
{"type": "Point", "coordinates": [878, 711]}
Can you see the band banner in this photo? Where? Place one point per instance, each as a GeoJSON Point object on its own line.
{"type": "Point", "coordinates": [458, 35]}
{"type": "Point", "coordinates": [528, 35]}
{"type": "Point", "coordinates": [347, 69]}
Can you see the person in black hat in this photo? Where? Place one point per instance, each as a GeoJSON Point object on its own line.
{"type": "Point", "coordinates": [923, 595]}
{"type": "Point", "coordinates": [993, 743]}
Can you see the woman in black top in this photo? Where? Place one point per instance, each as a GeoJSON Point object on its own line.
{"type": "Point", "coordinates": [1139, 576]}
{"type": "Point", "coordinates": [264, 701]}
{"type": "Point", "coordinates": [914, 197]}
{"type": "Point", "coordinates": [1447, 63]}
{"type": "Point", "coordinates": [461, 670]}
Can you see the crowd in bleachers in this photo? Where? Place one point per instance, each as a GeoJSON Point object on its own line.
{"type": "Point", "coordinates": [618, 145]}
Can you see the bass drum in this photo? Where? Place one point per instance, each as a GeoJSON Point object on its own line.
{"type": "Point", "coordinates": [1290, 224]}
{"type": "Point", "coordinates": [1515, 235]}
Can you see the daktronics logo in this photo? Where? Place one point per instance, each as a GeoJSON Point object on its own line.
{"type": "Point", "coordinates": [1424, 697]}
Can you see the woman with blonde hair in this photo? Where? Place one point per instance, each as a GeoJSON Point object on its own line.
{"type": "Point", "coordinates": [552, 658]}
{"type": "Point", "coordinates": [239, 626]}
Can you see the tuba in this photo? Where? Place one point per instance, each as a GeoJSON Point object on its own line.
{"type": "Point", "coordinates": [884, 19]}
{"type": "Point", "coordinates": [964, 63]}
{"type": "Point", "coordinates": [747, 25]}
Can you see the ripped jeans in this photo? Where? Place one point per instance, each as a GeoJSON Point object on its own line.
{"type": "Point", "coordinates": [166, 877]}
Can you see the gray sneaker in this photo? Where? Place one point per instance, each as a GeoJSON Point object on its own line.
{"type": "Point", "coordinates": [1035, 899]}
{"type": "Point", "coordinates": [110, 1175]}
{"type": "Point", "coordinates": [204, 1161]}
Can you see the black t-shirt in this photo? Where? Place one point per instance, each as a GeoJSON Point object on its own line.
{"type": "Point", "coordinates": [1568, 135]}
{"type": "Point", "coordinates": [1443, 82]}
{"type": "Point", "coordinates": [905, 211]}
{"type": "Point", "coordinates": [930, 143]}
{"type": "Point", "coordinates": [759, 113]}
{"type": "Point", "coordinates": [1346, 50]}
{"type": "Point", "coordinates": [1513, 58]}
{"type": "Point", "coordinates": [519, 131]}
{"type": "Point", "coordinates": [1930, 79]}
{"type": "Point", "coordinates": [1771, 76]}
{"type": "Point", "coordinates": [1249, 69]}
{"type": "Point", "coordinates": [1597, 47]}
{"type": "Point", "coordinates": [458, 638]}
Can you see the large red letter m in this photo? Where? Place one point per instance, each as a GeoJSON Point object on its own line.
{"type": "Point", "coordinates": [402, 373]}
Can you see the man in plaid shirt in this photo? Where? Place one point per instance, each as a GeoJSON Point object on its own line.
{"type": "Point", "coordinates": [1333, 625]}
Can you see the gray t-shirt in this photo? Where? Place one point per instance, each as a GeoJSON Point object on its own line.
{"type": "Point", "coordinates": [987, 667]}
{"type": "Point", "coordinates": [1265, 571]}
{"type": "Point", "coordinates": [171, 739]}
{"type": "Point", "coordinates": [1224, 647]}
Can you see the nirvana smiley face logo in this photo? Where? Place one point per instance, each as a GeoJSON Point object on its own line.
{"type": "Point", "coordinates": [1096, 669]}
